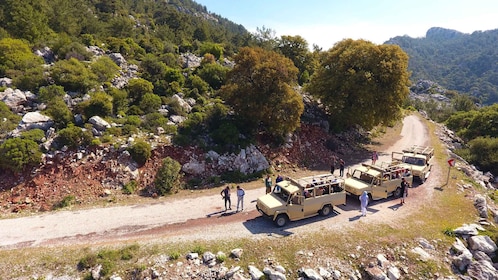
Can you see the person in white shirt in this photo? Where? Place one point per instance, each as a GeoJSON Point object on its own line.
{"type": "Point", "coordinates": [240, 198]}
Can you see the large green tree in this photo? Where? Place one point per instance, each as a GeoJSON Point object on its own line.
{"type": "Point", "coordinates": [361, 83]}
{"type": "Point", "coordinates": [260, 88]}
{"type": "Point", "coordinates": [296, 48]}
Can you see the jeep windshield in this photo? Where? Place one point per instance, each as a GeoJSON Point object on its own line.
{"type": "Point", "coordinates": [414, 161]}
{"type": "Point", "coordinates": [281, 193]}
{"type": "Point", "coordinates": [362, 176]}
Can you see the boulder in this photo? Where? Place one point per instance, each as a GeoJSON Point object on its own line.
{"type": "Point", "coordinates": [482, 243]}
{"type": "Point", "coordinates": [99, 123]}
{"type": "Point", "coordinates": [34, 120]}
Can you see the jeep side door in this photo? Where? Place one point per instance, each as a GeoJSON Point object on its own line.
{"type": "Point", "coordinates": [379, 188]}
{"type": "Point", "coordinates": [295, 207]}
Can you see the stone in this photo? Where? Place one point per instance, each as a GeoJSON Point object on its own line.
{"type": "Point", "coordinates": [482, 270]}
{"type": "Point", "coordinates": [99, 123]}
{"type": "Point", "coordinates": [482, 243]}
{"type": "Point", "coordinates": [255, 272]}
{"type": "Point", "coordinates": [236, 253]}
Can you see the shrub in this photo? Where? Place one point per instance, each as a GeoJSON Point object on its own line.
{"type": "Point", "coordinates": [174, 255]}
{"type": "Point", "coordinates": [65, 202]}
{"type": "Point", "coordinates": [36, 135]}
{"type": "Point", "coordinates": [140, 152]}
{"type": "Point", "coordinates": [73, 136]}
{"type": "Point", "coordinates": [167, 176]}
{"type": "Point", "coordinates": [17, 153]}
{"type": "Point", "coordinates": [130, 187]}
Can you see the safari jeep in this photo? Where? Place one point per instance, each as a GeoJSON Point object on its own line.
{"type": "Point", "coordinates": [379, 182]}
{"type": "Point", "coordinates": [292, 200]}
{"type": "Point", "coordinates": [416, 157]}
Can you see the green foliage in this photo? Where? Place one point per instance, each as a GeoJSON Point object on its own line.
{"type": "Point", "coordinates": [220, 258]}
{"type": "Point", "coordinates": [105, 69]}
{"type": "Point", "coordinates": [260, 90]}
{"type": "Point", "coordinates": [213, 73]}
{"type": "Point", "coordinates": [18, 62]}
{"type": "Point", "coordinates": [11, 119]}
{"type": "Point", "coordinates": [73, 136]}
{"type": "Point", "coordinates": [108, 259]}
{"type": "Point", "coordinates": [150, 103]}
{"type": "Point", "coordinates": [65, 202]}
{"type": "Point", "coordinates": [475, 123]}
{"type": "Point", "coordinates": [18, 153]}
{"type": "Point", "coordinates": [119, 101]}
{"type": "Point", "coordinates": [199, 249]}
{"type": "Point", "coordinates": [174, 255]}
{"type": "Point", "coordinates": [35, 135]}
{"type": "Point", "coordinates": [51, 92]}
{"type": "Point", "coordinates": [215, 49]}
{"type": "Point", "coordinates": [25, 18]}
{"type": "Point", "coordinates": [73, 75]}
{"type": "Point", "coordinates": [74, 50]}
{"type": "Point", "coordinates": [361, 83]}
{"type": "Point", "coordinates": [140, 152]}
{"type": "Point", "coordinates": [198, 83]}
{"type": "Point", "coordinates": [100, 104]}
{"type": "Point", "coordinates": [168, 176]}
{"type": "Point", "coordinates": [130, 187]}
{"type": "Point", "coordinates": [296, 49]}
{"type": "Point", "coordinates": [484, 153]}
{"type": "Point", "coordinates": [137, 88]}
{"type": "Point", "coordinates": [60, 113]}
{"type": "Point", "coordinates": [153, 121]}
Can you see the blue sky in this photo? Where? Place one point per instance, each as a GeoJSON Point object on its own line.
{"type": "Point", "coordinates": [325, 22]}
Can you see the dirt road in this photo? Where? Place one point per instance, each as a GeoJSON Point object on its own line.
{"type": "Point", "coordinates": [202, 217]}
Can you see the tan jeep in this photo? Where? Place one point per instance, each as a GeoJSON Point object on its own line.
{"type": "Point", "coordinates": [378, 181]}
{"type": "Point", "coordinates": [416, 157]}
{"type": "Point", "coordinates": [292, 200]}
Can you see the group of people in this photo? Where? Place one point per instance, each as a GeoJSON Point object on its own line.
{"type": "Point", "coordinates": [225, 194]}
{"type": "Point", "coordinates": [364, 198]}
{"type": "Point", "coordinates": [341, 166]}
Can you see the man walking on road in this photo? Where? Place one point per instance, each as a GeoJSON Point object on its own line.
{"type": "Point", "coordinates": [240, 198]}
{"type": "Point", "coordinates": [225, 194]}
{"type": "Point", "coordinates": [341, 167]}
{"type": "Point", "coordinates": [268, 184]}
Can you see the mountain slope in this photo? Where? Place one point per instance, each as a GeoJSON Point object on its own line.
{"type": "Point", "coordinates": [457, 61]}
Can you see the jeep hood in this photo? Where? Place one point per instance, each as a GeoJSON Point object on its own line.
{"type": "Point", "coordinates": [270, 201]}
{"type": "Point", "coordinates": [356, 186]}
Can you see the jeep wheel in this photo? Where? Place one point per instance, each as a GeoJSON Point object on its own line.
{"type": "Point", "coordinates": [397, 192]}
{"type": "Point", "coordinates": [281, 220]}
{"type": "Point", "coordinates": [326, 210]}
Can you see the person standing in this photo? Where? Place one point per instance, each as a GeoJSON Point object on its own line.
{"type": "Point", "coordinates": [279, 179]}
{"type": "Point", "coordinates": [364, 203]}
{"type": "Point", "coordinates": [332, 166]}
{"type": "Point", "coordinates": [375, 157]}
{"type": "Point", "coordinates": [240, 198]}
{"type": "Point", "coordinates": [268, 184]}
{"type": "Point", "coordinates": [404, 190]}
{"type": "Point", "coordinates": [225, 194]}
{"type": "Point", "coordinates": [341, 167]}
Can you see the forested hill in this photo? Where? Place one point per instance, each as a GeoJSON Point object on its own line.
{"type": "Point", "coordinates": [463, 62]}
{"type": "Point", "coordinates": [149, 23]}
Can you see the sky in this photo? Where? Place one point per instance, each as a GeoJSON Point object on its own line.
{"type": "Point", "coordinates": [325, 22]}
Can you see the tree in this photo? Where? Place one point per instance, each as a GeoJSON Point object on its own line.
{"type": "Point", "coordinates": [100, 104]}
{"type": "Point", "coordinates": [167, 176]}
{"type": "Point", "coordinates": [18, 153]}
{"type": "Point", "coordinates": [296, 48]}
{"type": "Point", "coordinates": [73, 136]}
{"type": "Point", "coordinates": [8, 120]}
{"type": "Point", "coordinates": [361, 83]}
{"type": "Point", "coordinates": [104, 68]}
{"type": "Point", "coordinates": [260, 90]}
{"type": "Point", "coordinates": [18, 62]}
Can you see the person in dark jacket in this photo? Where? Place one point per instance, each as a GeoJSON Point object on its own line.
{"type": "Point", "coordinates": [225, 194]}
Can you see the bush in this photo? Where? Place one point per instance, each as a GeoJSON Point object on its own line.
{"type": "Point", "coordinates": [140, 152]}
{"type": "Point", "coordinates": [36, 135]}
{"type": "Point", "coordinates": [167, 176]}
{"type": "Point", "coordinates": [73, 136]}
{"type": "Point", "coordinates": [130, 187]}
{"type": "Point", "coordinates": [65, 202]}
{"type": "Point", "coordinates": [17, 153]}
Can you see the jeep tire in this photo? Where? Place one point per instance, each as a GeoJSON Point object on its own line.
{"type": "Point", "coordinates": [281, 220]}
{"type": "Point", "coordinates": [326, 210]}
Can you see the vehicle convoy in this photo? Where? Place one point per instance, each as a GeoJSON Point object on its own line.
{"type": "Point", "coordinates": [378, 181]}
{"type": "Point", "coordinates": [292, 200]}
{"type": "Point", "coordinates": [416, 157]}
